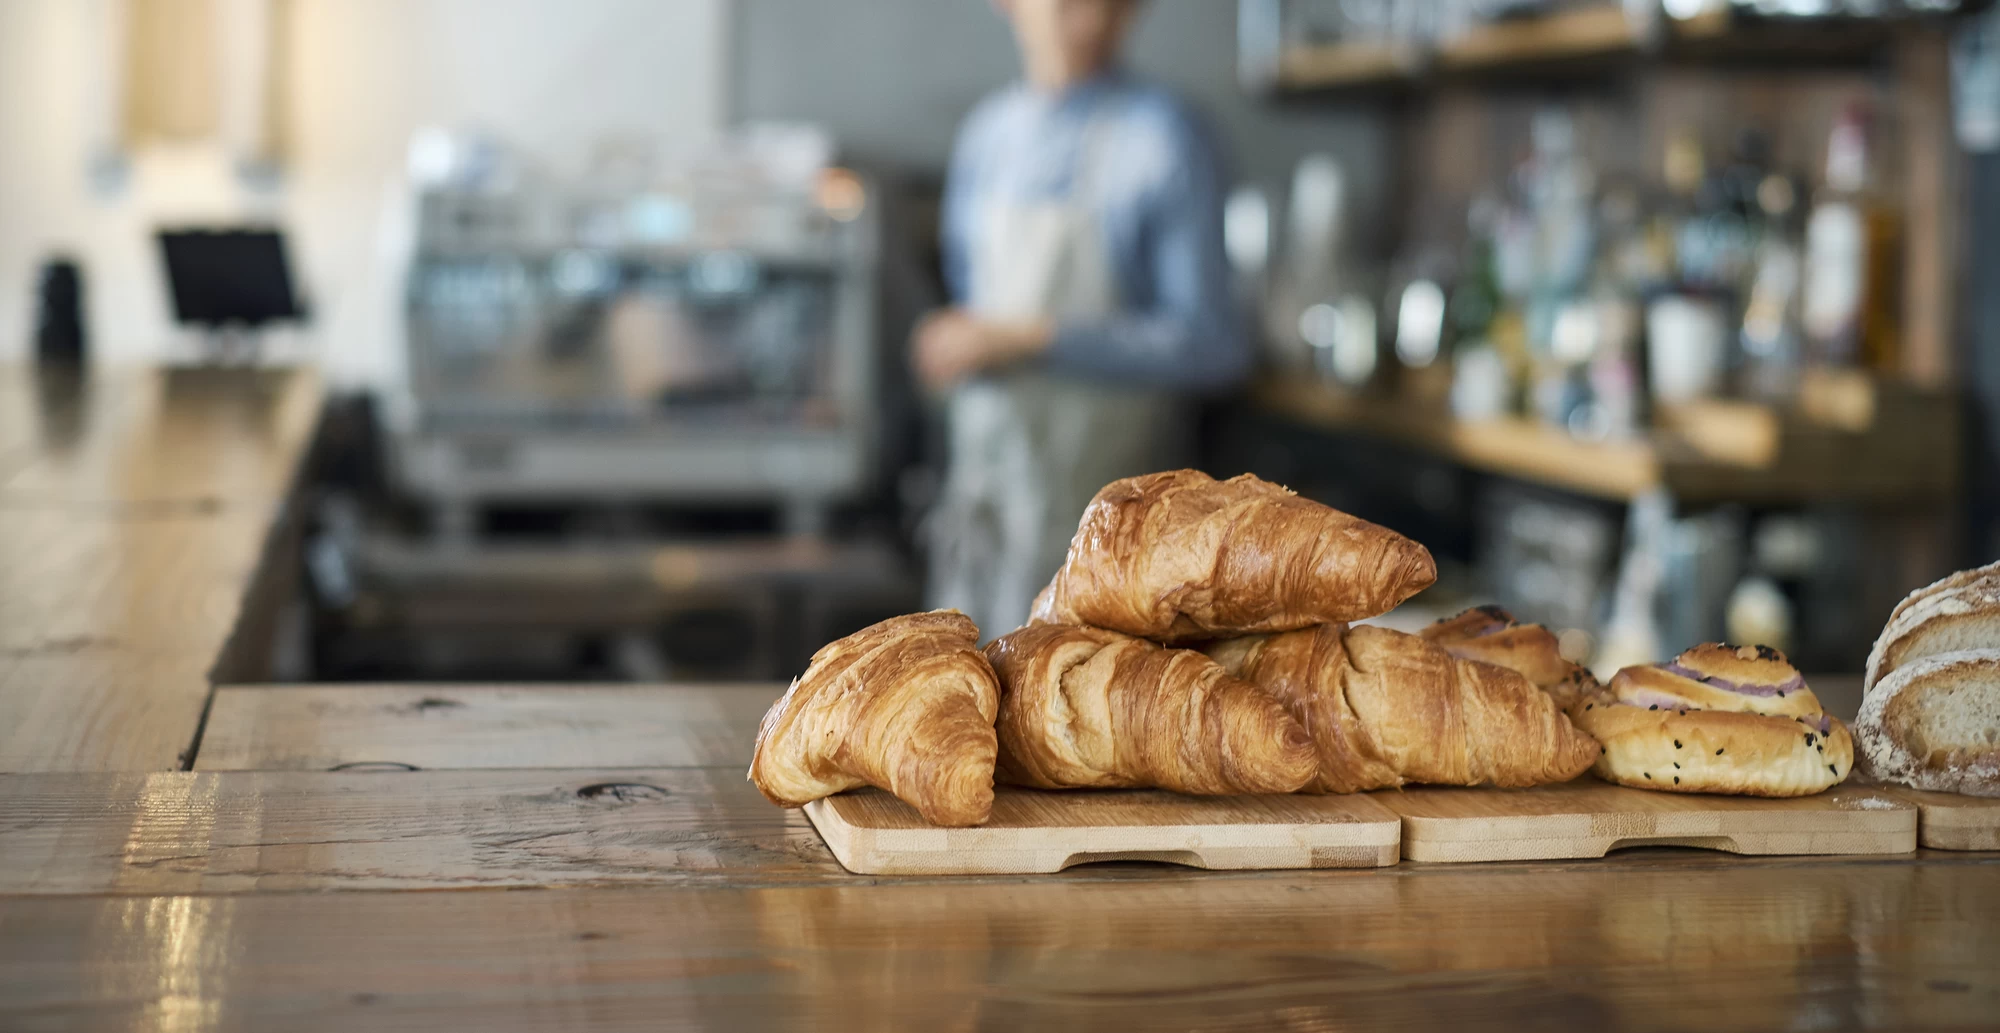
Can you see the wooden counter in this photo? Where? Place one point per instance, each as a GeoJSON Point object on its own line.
{"type": "Point", "coordinates": [345, 857]}
{"type": "Point", "coordinates": [135, 508]}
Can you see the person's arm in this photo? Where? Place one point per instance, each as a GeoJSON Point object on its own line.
{"type": "Point", "coordinates": [1188, 332]}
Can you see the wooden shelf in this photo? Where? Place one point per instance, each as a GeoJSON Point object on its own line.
{"type": "Point", "coordinates": [1909, 455]}
{"type": "Point", "coordinates": [1337, 65]}
{"type": "Point", "coordinates": [1588, 36]}
{"type": "Point", "coordinates": [1586, 32]}
{"type": "Point", "coordinates": [1512, 447]}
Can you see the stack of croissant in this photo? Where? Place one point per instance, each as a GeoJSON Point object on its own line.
{"type": "Point", "coordinates": [1197, 639]}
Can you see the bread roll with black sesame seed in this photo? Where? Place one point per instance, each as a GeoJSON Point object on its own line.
{"type": "Point", "coordinates": [1717, 719]}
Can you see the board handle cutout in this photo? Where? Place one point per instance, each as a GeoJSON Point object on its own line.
{"type": "Point", "coordinates": [1727, 844]}
{"type": "Point", "coordinates": [1190, 858]}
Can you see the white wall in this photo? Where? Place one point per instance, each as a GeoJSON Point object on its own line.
{"type": "Point", "coordinates": [362, 74]}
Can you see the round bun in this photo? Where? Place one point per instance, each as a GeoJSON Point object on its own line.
{"type": "Point", "coordinates": [1717, 719]}
{"type": "Point", "coordinates": [1740, 679]}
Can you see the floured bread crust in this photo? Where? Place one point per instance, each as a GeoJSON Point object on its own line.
{"type": "Point", "coordinates": [1950, 615]}
{"type": "Point", "coordinates": [1891, 725]}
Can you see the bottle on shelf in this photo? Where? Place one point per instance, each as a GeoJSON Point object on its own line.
{"type": "Point", "coordinates": [1850, 308]}
{"type": "Point", "coordinates": [1481, 387]}
{"type": "Point", "coordinates": [1618, 279]}
{"type": "Point", "coordinates": [1547, 257]}
{"type": "Point", "coordinates": [1687, 316]}
{"type": "Point", "coordinates": [1769, 335]}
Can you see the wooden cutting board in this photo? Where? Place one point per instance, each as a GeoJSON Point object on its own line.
{"type": "Point", "coordinates": [1589, 818]}
{"type": "Point", "coordinates": [1953, 822]}
{"type": "Point", "coordinates": [873, 833]}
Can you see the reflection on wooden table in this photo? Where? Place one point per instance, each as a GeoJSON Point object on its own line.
{"type": "Point", "coordinates": [1640, 943]}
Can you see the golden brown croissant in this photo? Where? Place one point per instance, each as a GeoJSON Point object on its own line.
{"type": "Point", "coordinates": [906, 705]}
{"type": "Point", "coordinates": [1384, 708]}
{"type": "Point", "coordinates": [1180, 556]}
{"type": "Point", "coordinates": [1084, 707]}
{"type": "Point", "coordinates": [1491, 635]}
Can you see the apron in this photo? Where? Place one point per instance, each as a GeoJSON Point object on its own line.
{"type": "Point", "coordinates": [1028, 451]}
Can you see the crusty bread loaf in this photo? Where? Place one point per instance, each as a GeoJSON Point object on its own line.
{"type": "Point", "coordinates": [1934, 723]}
{"type": "Point", "coordinates": [1958, 613]}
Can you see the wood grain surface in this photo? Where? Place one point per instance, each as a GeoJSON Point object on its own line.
{"type": "Point", "coordinates": [138, 508]}
{"type": "Point", "coordinates": [320, 727]}
{"type": "Point", "coordinates": [1588, 818]}
{"type": "Point", "coordinates": [196, 832]}
{"type": "Point", "coordinates": [872, 832]}
{"type": "Point", "coordinates": [1812, 944]}
{"type": "Point", "coordinates": [136, 440]}
{"type": "Point", "coordinates": [134, 510]}
{"type": "Point", "coordinates": [1951, 821]}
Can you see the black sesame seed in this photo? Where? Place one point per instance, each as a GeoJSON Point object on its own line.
{"type": "Point", "coordinates": [1718, 753]}
{"type": "Point", "coordinates": [1822, 749]}
{"type": "Point", "coordinates": [1833, 769]}
{"type": "Point", "coordinates": [1655, 706]}
{"type": "Point", "coordinates": [1808, 738]}
{"type": "Point", "coordinates": [1781, 694]}
{"type": "Point", "coordinates": [1677, 780]}
{"type": "Point", "coordinates": [1648, 774]}
{"type": "Point", "coordinates": [1589, 706]}
{"type": "Point", "coordinates": [1677, 744]}
{"type": "Point", "coordinates": [1677, 765]}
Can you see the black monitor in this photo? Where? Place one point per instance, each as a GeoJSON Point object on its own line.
{"type": "Point", "coordinates": [229, 277]}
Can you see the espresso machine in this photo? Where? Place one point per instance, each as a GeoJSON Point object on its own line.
{"type": "Point", "coordinates": [696, 327]}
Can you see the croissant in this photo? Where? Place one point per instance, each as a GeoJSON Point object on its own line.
{"type": "Point", "coordinates": [1088, 708]}
{"type": "Point", "coordinates": [1180, 556]}
{"type": "Point", "coordinates": [1384, 709]}
{"type": "Point", "coordinates": [1491, 635]}
{"type": "Point", "coordinates": [906, 705]}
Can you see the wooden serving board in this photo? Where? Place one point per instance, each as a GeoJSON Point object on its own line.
{"type": "Point", "coordinates": [1953, 822]}
{"type": "Point", "coordinates": [873, 833]}
{"type": "Point", "coordinates": [1589, 818]}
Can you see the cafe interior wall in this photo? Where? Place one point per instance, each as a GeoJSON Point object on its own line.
{"type": "Point", "coordinates": [892, 79]}
{"type": "Point", "coordinates": [354, 78]}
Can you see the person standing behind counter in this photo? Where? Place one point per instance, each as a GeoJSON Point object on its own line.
{"type": "Point", "coordinates": [1083, 250]}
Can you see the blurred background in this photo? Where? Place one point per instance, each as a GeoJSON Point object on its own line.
{"type": "Point", "coordinates": [1658, 321]}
